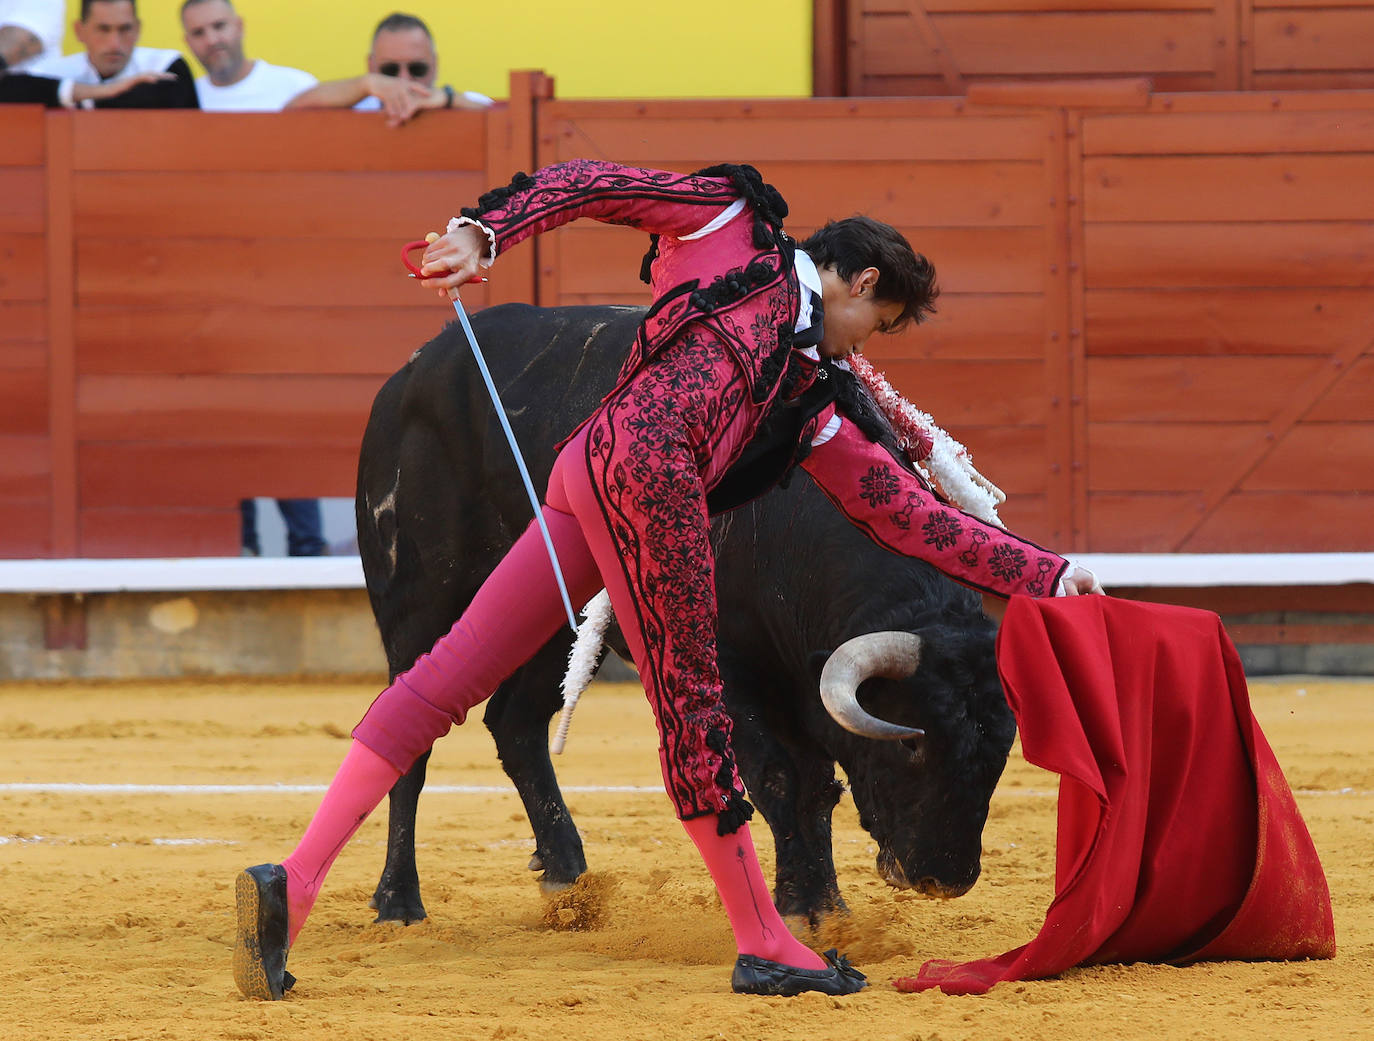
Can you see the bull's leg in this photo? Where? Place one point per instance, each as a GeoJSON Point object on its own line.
{"type": "Point", "coordinates": [397, 898]}
{"type": "Point", "coordinates": [518, 718]}
{"type": "Point", "coordinates": [806, 881]}
{"type": "Point", "coordinates": [794, 787]}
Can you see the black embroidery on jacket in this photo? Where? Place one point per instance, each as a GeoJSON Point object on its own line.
{"type": "Point", "coordinates": [495, 198]}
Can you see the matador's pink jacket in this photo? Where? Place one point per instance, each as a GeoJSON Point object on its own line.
{"type": "Point", "coordinates": [739, 281]}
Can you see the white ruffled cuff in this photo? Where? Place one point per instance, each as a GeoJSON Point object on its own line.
{"type": "Point", "coordinates": [457, 222]}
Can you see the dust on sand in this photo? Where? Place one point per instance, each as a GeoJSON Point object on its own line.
{"type": "Point", "coordinates": [118, 911]}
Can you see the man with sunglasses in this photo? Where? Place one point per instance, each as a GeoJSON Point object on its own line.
{"type": "Point", "coordinates": [401, 69]}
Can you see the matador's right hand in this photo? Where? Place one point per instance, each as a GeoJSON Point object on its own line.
{"type": "Point", "coordinates": [452, 260]}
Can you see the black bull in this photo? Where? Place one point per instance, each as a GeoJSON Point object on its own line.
{"type": "Point", "coordinates": [439, 501]}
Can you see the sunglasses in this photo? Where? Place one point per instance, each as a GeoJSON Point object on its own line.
{"type": "Point", "coordinates": [418, 69]}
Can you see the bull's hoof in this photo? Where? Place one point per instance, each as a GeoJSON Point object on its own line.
{"type": "Point", "coordinates": [260, 936]}
{"type": "Point", "coordinates": [811, 917]}
{"type": "Point", "coordinates": [550, 886]}
{"type": "Point", "coordinates": [398, 905]}
{"type": "Point", "coordinates": [933, 889]}
{"type": "Point", "coordinates": [755, 975]}
{"type": "Point", "coordinates": [560, 872]}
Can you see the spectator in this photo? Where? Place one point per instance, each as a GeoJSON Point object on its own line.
{"type": "Point", "coordinates": [30, 30]}
{"type": "Point", "coordinates": [304, 527]}
{"type": "Point", "coordinates": [233, 82]}
{"type": "Point", "coordinates": [401, 71]}
{"type": "Point", "coordinates": [112, 72]}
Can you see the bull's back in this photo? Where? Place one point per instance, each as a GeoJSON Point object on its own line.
{"type": "Point", "coordinates": [439, 498]}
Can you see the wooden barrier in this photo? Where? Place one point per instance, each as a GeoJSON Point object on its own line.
{"type": "Point", "coordinates": [977, 193]}
{"type": "Point", "coordinates": [924, 47]}
{"type": "Point", "coordinates": [1226, 270]}
{"type": "Point", "coordinates": [224, 295]}
{"type": "Point", "coordinates": [1154, 330]}
{"type": "Point", "coordinates": [25, 462]}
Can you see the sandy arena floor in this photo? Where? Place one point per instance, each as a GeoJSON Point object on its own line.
{"type": "Point", "coordinates": [118, 887]}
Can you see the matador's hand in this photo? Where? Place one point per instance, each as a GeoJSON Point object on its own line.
{"type": "Point", "coordinates": [453, 260]}
{"type": "Point", "coordinates": [1081, 582]}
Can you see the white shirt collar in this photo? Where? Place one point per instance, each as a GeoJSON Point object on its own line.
{"type": "Point", "coordinates": [809, 279]}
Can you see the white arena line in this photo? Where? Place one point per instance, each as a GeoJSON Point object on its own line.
{"type": "Point", "coordinates": [75, 788]}
{"type": "Point", "coordinates": [63, 840]}
{"type": "Point", "coordinates": [72, 788]}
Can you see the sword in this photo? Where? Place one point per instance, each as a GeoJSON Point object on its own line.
{"type": "Point", "coordinates": [510, 434]}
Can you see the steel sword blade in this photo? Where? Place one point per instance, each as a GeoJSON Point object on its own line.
{"type": "Point", "coordinates": [519, 459]}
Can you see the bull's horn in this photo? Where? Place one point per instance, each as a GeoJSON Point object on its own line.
{"type": "Point", "coordinates": [893, 655]}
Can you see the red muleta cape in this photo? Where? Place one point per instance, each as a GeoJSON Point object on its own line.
{"type": "Point", "coordinates": [1179, 839]}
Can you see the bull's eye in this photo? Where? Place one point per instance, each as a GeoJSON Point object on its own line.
{"type": "Point", "coordinates": [916, 749]}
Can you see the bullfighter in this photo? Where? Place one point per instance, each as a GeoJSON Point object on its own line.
{"type": "Point", "coordinates": [739, 373]}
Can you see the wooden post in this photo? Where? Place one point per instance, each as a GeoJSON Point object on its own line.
{"type": "Point", "coordinates": [829, 48]}
{"type": "Point", "coordinates": [1063, 332]}
{"type": "Point", "coordinates": [512, 146]}
{"type": "Point", "coordinates": [62, 304]}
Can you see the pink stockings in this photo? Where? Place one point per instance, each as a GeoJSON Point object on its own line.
{"type": "Point", "coordinates": [734, 867]}
{"type": "Point", "coordinates": [362, 780]}
{"type": "Point", "coordinates": [514, 613]}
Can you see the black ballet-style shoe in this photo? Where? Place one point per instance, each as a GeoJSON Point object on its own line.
{"type": "Point", "coordinates": [754, 975]}
{"type": "Point", "coordinates": [260, 939]}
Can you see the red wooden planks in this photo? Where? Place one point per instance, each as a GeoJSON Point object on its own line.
{"type": "Point", "coordinates": [226, 339]}
{"type": "Point", "coordinates": [155, 273]}
{"type": "Point", "coordinates": [312, 204]}
{"type": "Point", "coordinates": [275, 409]}
{"type": "Point", "coordinates": [1275, 254]}
{"type": "Point", "coordinates": [115, 533]}
{"type": "Point", "coordinates": [171, 476]}
{"type": "Point", "coordinates": [1184, 389]}
{"type": "Point", "coordinates": [306, 140]}
{"type": "Point", "coordinates": [1226, 321]}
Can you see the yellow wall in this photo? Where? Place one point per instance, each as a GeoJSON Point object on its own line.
{"type": "Point", "coordinates": [629, 48]}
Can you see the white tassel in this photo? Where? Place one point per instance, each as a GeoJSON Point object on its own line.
{"type": "Point", "coordinates": [948, 466]}
{"type": "Point", "coordinates": [582, 659]}
{"type": "Point", "coordinates": [952, 467]}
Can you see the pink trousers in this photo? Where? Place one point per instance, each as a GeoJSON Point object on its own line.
{"type": "Point", "coordinates": [626, 507]}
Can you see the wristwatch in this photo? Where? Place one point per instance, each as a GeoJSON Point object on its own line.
{"type": "Point", "coordinates": [448, 96]}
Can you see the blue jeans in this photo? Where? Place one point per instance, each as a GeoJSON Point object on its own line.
{"type": "Point", "coordinates": [304, 527]}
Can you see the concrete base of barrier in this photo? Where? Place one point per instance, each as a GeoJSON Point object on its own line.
{"type": "Point", "coordinates": [129, 635]}
{"type": "Point", "coordinates": [330, 633]}
{"type": "Point", "coordinates": [327, 633]}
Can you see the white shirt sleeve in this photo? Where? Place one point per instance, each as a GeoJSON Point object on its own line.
{"type": "Point", "coordinates": [717, 222]}
{"type": "Point", "coordinates": [43, 18]}
{"type": "Point", "coordinates": [828, 431]}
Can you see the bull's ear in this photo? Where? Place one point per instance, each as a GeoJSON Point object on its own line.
{"type": "Point", "coordinates": [817, 661]}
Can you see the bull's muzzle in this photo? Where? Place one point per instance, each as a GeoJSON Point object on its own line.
{"type": "Point", "coordinates": [891, 871]}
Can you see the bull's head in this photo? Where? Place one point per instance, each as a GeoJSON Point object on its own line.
{"type": "Point", "coordinates": [939, 710]}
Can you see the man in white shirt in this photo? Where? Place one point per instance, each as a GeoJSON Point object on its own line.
{"type": "Point", "coordinates": [402, 67]}
{"type": "Point", "coordinates": [233, 82]}
{"type": "Point", "coordinates": [113, 71]}
{"type": "Point", "coordinates": [30, 30]}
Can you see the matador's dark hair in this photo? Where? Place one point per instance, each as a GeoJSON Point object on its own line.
{"type": "Point", "coordinates": [904, 276]}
